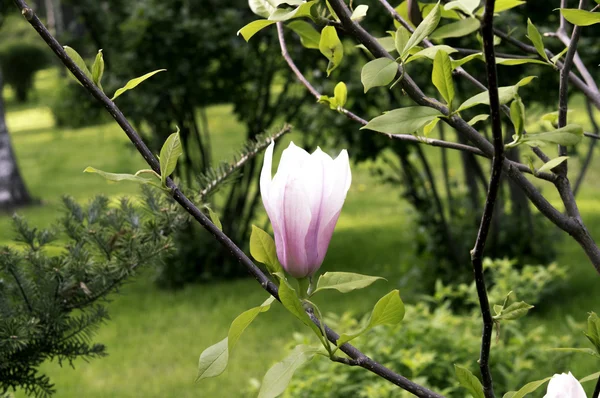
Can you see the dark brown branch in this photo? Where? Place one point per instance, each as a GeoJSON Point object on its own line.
{"type": "Point", "coordinates": [362, 360]}
{"type": "Point", "coordinates": [487, 34]}
{"type": "Point", "coordinates": [596, 393]}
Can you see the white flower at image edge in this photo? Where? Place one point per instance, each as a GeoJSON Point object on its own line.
{"type": "Point", "coordinates": [303, 202]}
{"type": "Point", "coordinates": [564, 386]}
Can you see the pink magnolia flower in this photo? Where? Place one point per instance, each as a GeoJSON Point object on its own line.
{"type": "Point", "coordinates": [303, 202]}
{"type": "Point", "coordinates": [564, 386]}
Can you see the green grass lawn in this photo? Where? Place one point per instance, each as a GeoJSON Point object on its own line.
{"type": "Point", "coordinates": [155, 337]}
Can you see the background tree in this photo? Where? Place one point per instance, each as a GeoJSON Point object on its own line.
{"type": "Point", "coordinates": [13, 192]}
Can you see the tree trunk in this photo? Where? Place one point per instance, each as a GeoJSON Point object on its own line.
{"type": "Point", "coordinates": [13, 192]}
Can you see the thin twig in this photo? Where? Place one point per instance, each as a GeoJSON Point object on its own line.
{"type": "Point", "coordinates": [364, 361]}
{"type": "Point", "coordinates": [345, 361]}
{"type": "Point", "coordinates": [590, 152]}
{"type": "Point", "coordinates": [20, 285]}
{"type": "Point", "coordinates": [591, 92]}
{"type": "Point", "coordinates": [487, 34]}
{"type": "Point", "coordinates": [563, 183]}
{"type": "Point", "coordinates": [470, 51]}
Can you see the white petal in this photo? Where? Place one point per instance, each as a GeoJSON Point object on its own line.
{"type": "Point", "coordinates": [292, 158]}
{"type": "Point", "coordinates": [564, 386]}
{"type": "Point", "coordinates": [266, 173]}
{"type": "Point", "coordinates": [338, 178]}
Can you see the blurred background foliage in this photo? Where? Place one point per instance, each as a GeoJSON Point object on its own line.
{"type": "Point", "coordinates": [412, 213]}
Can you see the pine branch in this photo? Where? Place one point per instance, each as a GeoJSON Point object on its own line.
{"type": "Point", "coordinates": [212, 178]}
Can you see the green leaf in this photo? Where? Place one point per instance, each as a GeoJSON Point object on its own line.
{"type": "Point", "coordinates": [558, 56]}
{"type": "Point", "coordinates": [332, 102]}
{"type": "Point", "coordinates": [518, 61]}
{"type": "Point", "coordinates": [503, 5]}
{"type": "Point", "coordinates": [549, 165]}
{"type": "Point", "coordinates": [379, 72]}
{"type": "Point", "coordinates": [459, 62]}
{"type": "Point", "coordinates": [569, 135]}
{"type": "Point", "coordinates": [331, 47]}
{"type": "Point", "coordinates": [387, 43]}
{"type": "Point", "coordinates": [580, 17]}
{"type": "Point", "coordinates": [529, 388]}
{"type": "Point", "coordinates": [430, 126]}
{"type": "Point", "coordinates": [593, 330]}
{"type": "Point", "coordinates": [389, 310]}
{"type": "Point", "coordinates": [459, 28]}
{"type": "Point", "coordinates": [442, 76]}
{"type": "Point", "coordinates": [359, 12]}
{"type": "Point", "coordinates": [428, 25]}
{"type": "Point", "coordinates": [242, 321]}
{"type": "Point", "coordinates": [344, 282]}
{"type": "Point", "coordinates": [278, 377]}
{"type": "Point", "coordinates": [498, 309]}
{"type": "Point", "coordinates": [285, 13]}
{"type": "Point", "coordinates": [536, 38]}
{"type": "Point", "coordinates": [169, 153]}
{"type": "Point", "coordinates": [514, 311]}
{"type": "Point", "coordinates": [517, 115]}
{"type": "Point", "coordinates": [215, 218]}
{"type": "Point", "coordinates": [404, 120]}
{"type": "Point", "coordinates": [340, 94]}
{"type": "Point", "coordinates": [98, 70]}
{"type": "Point", "coordinates": [122, 177]}
{"type": "Point", "coordinates": [254, 27]}
{"type": "Point", "coordinates": [506, 95]}
{"type": "Point", "coordinates": [551, 117]}
{"type": "Point", "coordinates": [467, 6]}
{"type": "Point", "coordinates": [290, 300]}
{"type": "Point", "coordinates": [262, 8]}
{"type": "Point", "coordinates": [133, 83]}
{"type": "Point", "coordinates": [478, 118]}
{"type": "Point", "coordinates": [262, 248]}
{"type": "Point", "coordinates": [74, 55]}
{"type": "Point", "coordinates": [401, 38]}
{"type": "Point", "coordinates": [309, 36]}
{"type": "Point", "coordinates": [431, 52]}
{"type": "Point", "coordinates": [213, 360]}
{"type": "Point", "coordinates": [593, 376]}
{"type": "Point", "coordinates": [469, 381]}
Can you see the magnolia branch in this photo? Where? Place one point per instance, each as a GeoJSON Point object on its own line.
{"type": "Point", "coordinates": [361, 359]}
{"type": "Point", "coordinates": [403, 137]}
{"type": "Point", "coordinates": [570, 225]}
{"type": "Point", "coordinates": [487, 34]}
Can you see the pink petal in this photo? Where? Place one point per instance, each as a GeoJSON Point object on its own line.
{"type": "Point", "coordinates": [295, 224]}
